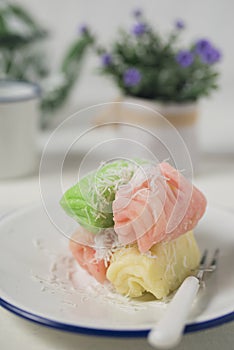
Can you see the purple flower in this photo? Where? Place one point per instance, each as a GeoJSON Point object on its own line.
{"type": "Point", "coordinates": [137, 13]}
{"type": "Point", "coordinates": [210, 56]}
{"type": "Point", "coordinates": [139, 29]}
{"type": "Point", "coordinates": [184, 58]}
{"type": "Point", "coordinates": [106, 59]}
{"type": "Point", "coordinates": [132, 77]}
{"type": "Point", "coordinates": [179, 24]}
{"type": "Point", "coordinates": [83, 29]}
{"type": "Point", "coordinates": [202, 46]}
{"type": "Point", "coordinates": [207, 52]}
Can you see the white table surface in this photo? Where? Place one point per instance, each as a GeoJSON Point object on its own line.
{"type": "Point", "coordinates": [216, 179]}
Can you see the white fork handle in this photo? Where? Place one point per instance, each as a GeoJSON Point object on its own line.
{"type": "Point", "coordinates": [168, 332]}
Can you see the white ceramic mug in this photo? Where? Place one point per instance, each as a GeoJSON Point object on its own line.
{"type": "Point", "coordinates": [18, 128]}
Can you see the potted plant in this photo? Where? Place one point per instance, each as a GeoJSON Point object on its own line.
{"type": "Point", "coordinates": [20, 52]}
{"type": "Point", "coordinates": [157, 71]}
{"type": "Point", "coordinates": [59, 86]}
{"type": "Point", "coordinates": [23, 58]}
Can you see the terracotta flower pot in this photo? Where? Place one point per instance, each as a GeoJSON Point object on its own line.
{"type": "Point", "coordinates": [173, 125]}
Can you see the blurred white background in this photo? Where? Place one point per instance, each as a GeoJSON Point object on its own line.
{"type": "Point", "coordinates": [211, 18]}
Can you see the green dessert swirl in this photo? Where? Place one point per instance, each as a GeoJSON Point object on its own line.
{"type": "Point", "coordinates": [89, 202]}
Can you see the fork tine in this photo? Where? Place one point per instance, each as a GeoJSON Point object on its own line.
{"type": "Point", "coordinates": [214, 260]}
{"type": "Point", "coordinates": [203, 258]}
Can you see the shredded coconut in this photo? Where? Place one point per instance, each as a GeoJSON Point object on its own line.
{"type": "Point", "coordinates": [67, 278]}
{"type": "Point", "coordinates": [105, 243]}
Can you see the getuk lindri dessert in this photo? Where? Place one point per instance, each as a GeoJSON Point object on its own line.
{"type": "Point", "coordinates": [136, 222]}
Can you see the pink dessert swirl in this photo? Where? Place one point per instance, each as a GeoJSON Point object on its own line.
{"type": "Point", "coordinates": [158, 204]}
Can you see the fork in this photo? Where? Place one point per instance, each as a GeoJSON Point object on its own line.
{"type": "Point", "coordinates": [168, 332]}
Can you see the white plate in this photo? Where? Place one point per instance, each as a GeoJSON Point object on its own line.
{"type": "Point", "coordinates": [41, 282]}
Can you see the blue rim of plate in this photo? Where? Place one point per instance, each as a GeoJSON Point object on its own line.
{"type": "Point", "coordinates": [43, 321]}
{"type": "Point", "coordinates": [194, 327]}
